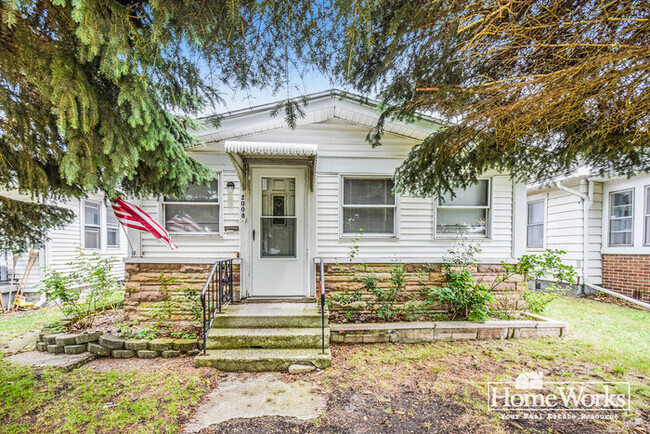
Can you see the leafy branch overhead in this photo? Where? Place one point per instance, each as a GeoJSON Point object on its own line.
{"type": "Point", "coordinates": [536, 88]}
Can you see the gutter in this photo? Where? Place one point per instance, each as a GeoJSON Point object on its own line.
{"type": "Point", "coordinates": [621, 296]}
{"type": "Point", "coordinates": [587, 202]}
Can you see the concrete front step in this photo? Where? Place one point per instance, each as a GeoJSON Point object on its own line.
{"type": "Point", "coordinates": [269, 315]}
{"type": "Point", "coordinates": [262, 360]}
{"type": "Point", "coordinates": [220, 338]}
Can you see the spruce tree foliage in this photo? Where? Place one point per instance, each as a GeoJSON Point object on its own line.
{"type": "Point", "coordinates": [533, 87]}
{"type": "Point", "coordinates": [99, 95]}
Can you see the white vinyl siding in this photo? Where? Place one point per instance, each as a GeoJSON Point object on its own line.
{"type": "Point", "coordinates": [535, 224]}
{"type": "Point", "coordinates": [368, 206]}
{"type": "Point", "coordinates": [92, 225]}
{"type": "Point", "coordinates": [621, 218]}
{"type": "Point", "coordinates": [468, 212]}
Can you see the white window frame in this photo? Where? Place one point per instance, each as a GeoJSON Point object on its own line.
{"type": "Point", "coordinates": [108, 209]}
{"type": "Point", "coordinates": [646, 215]}
{"type": "Point", "coordinates": [609, 217]}
{"type": "Point", "coordinates": [84, 225]}
{"type": "Point", "coordinates": [488, 207]}
{"type": "Point", "coordinates": [528, 203]}
{"type": "Point", "coordinates": [162, 211]}
{"type": "Point", "coordinates": [342, 205]}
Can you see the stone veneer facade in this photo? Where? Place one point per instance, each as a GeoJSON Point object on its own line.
{"type": "Point", "coordinates": [628, 275]}
{"type": "Point", "coordinates": [344, 278]}
{"type": "Point", "coordinates": [144, 286]}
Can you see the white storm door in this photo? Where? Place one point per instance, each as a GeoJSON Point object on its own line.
{"type": "Point", "coordinates": [279, 267]}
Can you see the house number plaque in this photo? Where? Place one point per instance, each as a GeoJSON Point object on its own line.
{"type": "Point", "coordinates": [243, 207]}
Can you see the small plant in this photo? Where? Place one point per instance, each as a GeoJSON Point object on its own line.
{"type": "Point", "coordinates": [464, 296]}
{"type": "Point", "coordinates": [386, 303]}
{"type": "Point", "coordinates": [182, 300]}
{"type": "Point", "coordinates": [86, 289]}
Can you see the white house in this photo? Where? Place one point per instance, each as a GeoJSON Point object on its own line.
{"type": "Point", "coordinates": [93, 229]}
{"type": "Point", "coordinates": [602, 223]}
{"type": "Point", "coordinates": [283, 199]}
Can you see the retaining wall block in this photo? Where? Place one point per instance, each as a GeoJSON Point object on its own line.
{"type": "Point", "coordinates": [111, 342]}
{"type": "Point", "coordinates": [55, 349]}
{"type": "Point", "coordinates": [136, 344]}
{"type": "Point", "coordinates": [50, 339]}
{"type": "Point", "coordinates": [161, 344]}
{"type": "Point", "coordinates": [41, 346]}
{"type": "Point", "coordinates": [75, 349]}
{"type": "Point", "coordinates": [184, 345]}
{"type": "Point", "coordinates": [408, 336]}
{"type": "Point", "coordinates": [98, 349]}
{"type": "Point", "coordinates": [170, 353]}
{"type": "Point", "coordinates": [147, 354]}
{"type": "Point", "coordinates": [122, 354]}
{"type": "Point", "coordinates": [88, 337]}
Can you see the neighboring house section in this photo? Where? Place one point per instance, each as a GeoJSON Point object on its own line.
{"type": "Point", "coordinates": [602, 224]}
{"type": "Point", "coordinates": [93, 229]}
{"type": "Point", "coordinates": [285, 198]}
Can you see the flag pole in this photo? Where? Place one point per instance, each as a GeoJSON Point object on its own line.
{"type": "Point", "coordinates": [126, 234]}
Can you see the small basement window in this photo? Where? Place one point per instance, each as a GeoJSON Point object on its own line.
{"type": "Point", "coordinates": [196, 212]}
{"type": "Point", "coordinates": [92, 225]}
{"type": "Point", "coordinates": [368, 205]}
{"type": "Point", "coordinates": [467, 213]}
{"type": "Point", "coordinates": [535, 226]}
{"type": "Point", "coordinates": [621, 217]}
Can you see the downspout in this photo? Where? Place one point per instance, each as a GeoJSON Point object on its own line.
{"type": "Point", "coordinates": [587, 202]}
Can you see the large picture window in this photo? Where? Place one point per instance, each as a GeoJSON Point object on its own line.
{"type": "Point", "coordinates": [92, 225]}
{"type": "Point", "coordinates": [368, 205]}
{"type": "Point", "coordinates": [535, 226]}
{"type": "Point", "coordinates": [196, 212]}
{"type": "Point", "coordinates": [646, 220]}
{"type": "Point", "coordinates": [621, 217]}
{"type": "Point", "coordinates": [468, 212]}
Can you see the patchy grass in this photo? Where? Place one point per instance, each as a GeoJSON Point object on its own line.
{"type": "Point", "coordinates": [86, 400]}
{"type": "Point", "coordinates": [14, 324]}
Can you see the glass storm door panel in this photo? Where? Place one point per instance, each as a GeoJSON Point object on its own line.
{"type": "Point", "coordinates": [278, 239]}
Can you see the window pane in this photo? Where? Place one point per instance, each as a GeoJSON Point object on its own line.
{"type": "Point", "coordinates": [622, 198]}
{"type": "Point", "coordinates": [475, 195]}
{"type": "Point", "coordinates": [647, 230]}
{"type": "Point", "coordinates": [368, 192]}
{"type": "Point", "coordinates": [112, 237]}
{"type": "Point", "coordinates": [91, 238]}
{"type": "Point", "coordinates": [536, 213]}
{"type": "Point", "coordinates": [535, 237]}
{"type": "Point", "coordinates": [111, 220]}
{"type": "Point", "coordinates": [199, 193]}
{"type": "Point", "coordinates": [91, 214]}
{"type": "Point", "coordinates": [192, 218]}
{"type": "Point", "coordinates": [647, 200]}
{"type": "Point", "coordinates": [278, 197]}
{"type": "Point", "coordinates": [461, 220]}
{"type": "Point", "coordinates": [622, 211]}
{"type": "Point", "coordinates": [621, 238]}
{"type": "Point", "coordinates": [371, 220]}
{"type": "Point", "coordinates": [620, 225]}
{"type": "Point", "coordinates": [278, 237]}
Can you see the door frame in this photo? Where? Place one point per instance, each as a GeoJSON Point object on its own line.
{"type": "Point", "coordinates": [275, 170]}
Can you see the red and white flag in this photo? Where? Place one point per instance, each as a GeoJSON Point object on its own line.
{"type": "Point", "coordinates": [133, 216]}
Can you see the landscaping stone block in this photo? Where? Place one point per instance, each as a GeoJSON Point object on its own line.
{"type": "Point", "coordinates": [408, 336]}
{"type": "Point", "coordinates": [44, 332]}
{"type": "Point", "coordinates": [123, 354]}
{"type": "Point", "coordinates": [88, 337]}
{"type": "Point", "coordinates": [98, 350]}
{"type": "Point", "coordinates": [337, 338]}
{"type": "Point", "coordinates": [147, 354]}
{"type": "Point", "coordinates": [136, 344]}
{"type": "Point", "coordinates": [75, 349]}
{"type": "Point", "coordinates": [111, 342]}
{"type": "Point", "coordinates": [41, 346]}
{"type": "Point", "coordinates": [55, 349]}
{"type": "Point", "coordinates": [170, 353]}
{"type": "Point", "coordinates": [161, 344]}
{"type": "Point", "coordinates": [184, 344]}
{"type": "Point", "coordinates": [497, 333]}
{"type": "Point", "coordinates": [301, 369]}
{"type": "Point", "coordinates": [66, 339]}
{"type": "Point", "coordinates": [50, 339]}
{"type": "Point", "coordinates": [193, 353]}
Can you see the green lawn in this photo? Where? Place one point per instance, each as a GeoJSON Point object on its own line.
{"type": "Point", "coordinates": [14, 324]}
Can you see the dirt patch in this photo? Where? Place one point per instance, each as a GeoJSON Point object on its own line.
{"type": "Point", "coordinates": [606, 298]}
{"type": "Point", "coordinates": [183, 365]}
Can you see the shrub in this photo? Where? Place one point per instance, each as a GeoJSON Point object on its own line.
{"type": "Point", "coordinates": [86, 289]}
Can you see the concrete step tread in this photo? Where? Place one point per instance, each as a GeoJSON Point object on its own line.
{"type": "Point", "coordinates": [217, 332]}
{"type": "Point", "coordinates": [263, 360]}
{"type": "Point", "coordinates": [271, 309]}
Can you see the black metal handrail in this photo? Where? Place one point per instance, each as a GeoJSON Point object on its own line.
{"type": "Point", "coordinates": [216, 293]}
{"type": "Point", "coordinates": [322, 305]}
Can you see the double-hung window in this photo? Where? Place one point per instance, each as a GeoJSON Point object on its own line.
{"type": "Point", "coordinates": [92, 225]}
{"type": "Point", "coordinates": [535, 225]}
{"type": "Point", "coordinates": [646, 221]}
{"type": "Point", "coordinates": [621, 217]}
{"type": "Point", "coordinates": [112, 229]}
{"type": "Point", "coordinates": [468, 212]}
{"type": "Point", "coordinates": [369, 206]}
{"type": "Point", "coordinates": [196, 212]}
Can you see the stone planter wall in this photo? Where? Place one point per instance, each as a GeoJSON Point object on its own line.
{"type": "Point", "coordinates": [344, 278]}
{"type": "Point", "coordinates": [109, 345]}
{"type": "Point", "coordinates": [144, 286]}
{"type": "Point", "coordinates": [415, 332]}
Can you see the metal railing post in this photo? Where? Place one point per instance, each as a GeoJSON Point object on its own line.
{"type": "Point", "coordinates": [322, 305]}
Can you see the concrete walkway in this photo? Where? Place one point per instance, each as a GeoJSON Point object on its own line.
{"type": "Point", "coordinates": [246, 396]}
{"type": "Point", "coordinates": [39, 359]}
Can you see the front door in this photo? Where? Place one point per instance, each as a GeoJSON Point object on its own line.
{"type": "Point", "coordinates": [279, 257]}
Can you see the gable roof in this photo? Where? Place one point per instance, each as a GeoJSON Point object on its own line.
{"type": "Point", "coordinates": [320, 107]}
